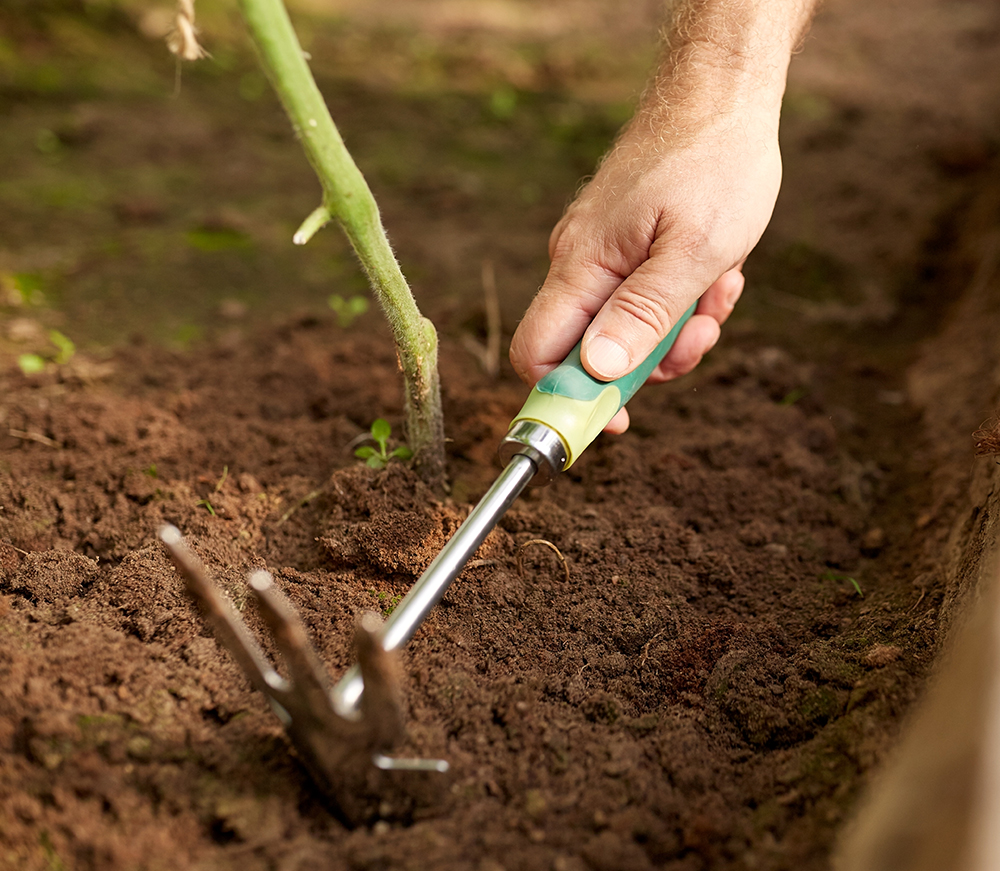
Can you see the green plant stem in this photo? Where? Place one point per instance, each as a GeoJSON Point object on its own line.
{"type": "Point", "coordinates": [349, 200]}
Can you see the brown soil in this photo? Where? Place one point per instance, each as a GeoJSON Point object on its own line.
{"type": "Point", "coordinates": [707, 672]}
{"type": "Point", "coordinates": [752, 598]}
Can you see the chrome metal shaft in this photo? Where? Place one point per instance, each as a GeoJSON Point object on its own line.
{"type": "Point", "coordinates": [432, 584]}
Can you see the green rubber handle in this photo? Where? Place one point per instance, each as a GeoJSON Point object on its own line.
{"type": "Point", "coordinates": [570, 401]}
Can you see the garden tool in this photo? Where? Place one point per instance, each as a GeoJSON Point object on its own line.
{"type": "Point", "coordinates": [360, 717]}
{"type": "Point", "coordinates": [326, 741]}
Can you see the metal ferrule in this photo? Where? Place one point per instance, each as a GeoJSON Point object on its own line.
{"type": "Point", "coordinates": [540, 443]}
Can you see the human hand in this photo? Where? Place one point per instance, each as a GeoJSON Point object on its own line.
{"type": "Point", "coordinates": [667, 220]}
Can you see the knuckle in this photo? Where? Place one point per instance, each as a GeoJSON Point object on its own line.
{"type": "Point", "coordinates": [709, 246]}
{"type": "Point", "coordinates": [570, 236]}
{"type": "Point", "coordinates": [560, 241]}
{"type": "Point", "coordinates": [651, 314]}
{"type": "Point", "coordinates": [698, 244]}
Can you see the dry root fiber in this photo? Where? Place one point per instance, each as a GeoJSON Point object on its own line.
{"type": "Point", "coordinates": [183, 38]}
{"type": "Point", "coordinates": [988, 438]}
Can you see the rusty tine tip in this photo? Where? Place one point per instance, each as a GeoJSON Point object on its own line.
{"type": "Point", "coordinates": [170, 535]}
{"type": "Point", "coordinates": [370, 622]}
{"type": "Point", "coordinates": [260, 580]}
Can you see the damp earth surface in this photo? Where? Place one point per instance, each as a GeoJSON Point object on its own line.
{"type": "Point", "coordinates": [752, 587]}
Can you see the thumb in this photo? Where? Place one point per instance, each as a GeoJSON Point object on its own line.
{"type": "Point", "coordinates": [573, 292]}
{"type": "Point", "coordinates": [636, 318]}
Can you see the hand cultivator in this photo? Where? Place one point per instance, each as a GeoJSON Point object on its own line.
{"type": "Point", "coordinates": [359, 719]}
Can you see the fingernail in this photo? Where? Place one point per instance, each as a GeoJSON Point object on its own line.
{"type": "Point", "coordinates": [607, 358]}
{"type": "Point", "coordinates": [735, 290]}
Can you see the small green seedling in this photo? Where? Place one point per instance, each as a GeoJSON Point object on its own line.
{"type": "Point", "coordinates": [836, 576]}
{"type": "Point", "coordinates": [793, 396]}
{"type": "Point", "coordinates": [387, 603]}
{"type": "Point", "coordinates": [32, 364]}
{"type": "Point", "coordinates": [205, 503]}
{"type": "Point", "coordinates": [66, 347]}
{"type": "Point", "coordinates": [26, 288]}
{"type": "Point", "coordinates": [348, 310]}
{"type": "Point", "coordinates": [503, 103]}
{"type": "Point", "coordinates": [378, 457]}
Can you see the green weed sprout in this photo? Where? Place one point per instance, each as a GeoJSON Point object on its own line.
{"type": "Point", "coordinates": [347, 309]}
{"type": "Point", "coordinates": [793, 396]}
{"type": "Point", "coordinates": [27, 288]}
{"type": "Point", "coordinates": [837, 576]}
{"type": "Point", "coordinates": [65, 346]}
{"type": "Point", "coordinates": [32, 364]}
{"type": "Point", "coordinates": [205, 503]}
{"type": "Point", "coordinates": [386, 602]}
{"type": "Point", "coordinates": [378, 457]}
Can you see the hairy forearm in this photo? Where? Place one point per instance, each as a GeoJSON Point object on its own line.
{"type": "Point", "coordinates": [720, 54]}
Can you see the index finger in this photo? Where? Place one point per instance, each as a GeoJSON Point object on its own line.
{"type": "Point", "coordinates": [559, 314]}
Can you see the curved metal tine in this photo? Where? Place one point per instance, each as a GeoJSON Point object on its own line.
{"type": "Point", "coordinates": [310, 680]}
{"type": "Point", "coordinates": [379, 703]}
{"type": "Point", "coordinates": [226, 623]}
